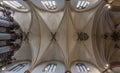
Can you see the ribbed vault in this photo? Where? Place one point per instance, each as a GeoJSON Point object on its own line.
{"type": "Point", "coordinates": [64, 36]}
{"type": "Point", "coordinates": [105, 32]}
{"type": "Point", "coordinates": [68, 35]}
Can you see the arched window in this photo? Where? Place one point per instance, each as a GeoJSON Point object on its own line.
{"type": "Point", "coordinates": [18, 5]}
{"type": "Point", "coordinates": [84, 67]}
{"type": "Point", "coordinates": [50, 67]}
{"type": "Point", "coordinates": [18, 67]}
{"type": "Point", "coordinates": [81, 67]}
{"type": "Point", "coordinates": [81, 5]}
{"type": "Point", "coordinates": [49, 5]}
{"type": "Point", "coordinates": [14, 4]}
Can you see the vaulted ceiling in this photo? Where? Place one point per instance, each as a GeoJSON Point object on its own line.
{"type": "Point", "coordinates": [68, 34]}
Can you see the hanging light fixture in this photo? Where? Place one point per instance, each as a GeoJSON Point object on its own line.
{"type": "Point", "coordinates": [107, 66]}
{"type": "Point", "coordinates": [108, 6]}
{"type": "Point", "coordinates": [109, 2]}
{"type": "Point", "coordinates": [3, 68]}
{"type": "Point", "coordinates": [1, 3]}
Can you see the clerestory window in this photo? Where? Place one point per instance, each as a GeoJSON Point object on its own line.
{"type": "Point", "coordinates": [50, 68]}
{"type": "Point", "coordinates": [82, 4]}
{"type": "Point", "coordinates": [82, 67]}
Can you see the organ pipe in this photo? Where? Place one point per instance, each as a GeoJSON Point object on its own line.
{"type": "Point", "coordinates": [8, 36]}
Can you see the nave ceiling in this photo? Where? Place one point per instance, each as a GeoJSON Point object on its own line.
{"type": "Point", "coordinates": [68, 34]}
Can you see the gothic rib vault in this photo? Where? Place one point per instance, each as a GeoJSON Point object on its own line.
{"type": "Point", "coordinates": [68, 35]}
